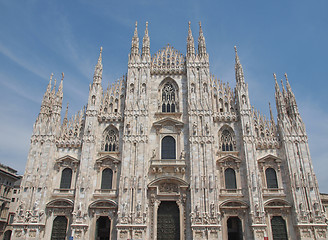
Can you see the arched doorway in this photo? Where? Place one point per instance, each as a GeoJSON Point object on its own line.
{"type": "Point", "coordinates": [235, 231]}
{"type": "Point", "coordinates": [7, 235]}
{"type": "Point", "coordinates": [103, 228]}
{"type": "Point", "coordinates": [168, 221]}
{"type": "Point", "coordinates": [59, 228]}
{"type": "Point", "coordinates": [279, 230]}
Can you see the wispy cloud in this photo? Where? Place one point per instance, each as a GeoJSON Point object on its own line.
{"type": "Point", "coordinates": [32, 66]}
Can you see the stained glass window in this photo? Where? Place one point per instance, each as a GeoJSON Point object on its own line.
{"type": "Point", "coordinates": [168, 98]}
{"type": "Point", "coordinates": [110, 143]}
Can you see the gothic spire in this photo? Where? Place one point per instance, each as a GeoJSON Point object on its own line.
{"type": "Point", "coordinates": [65, 120]}
{"type": "Point", "coordinates": [289, 89]}
{"type": "Point", "coordinates": [146, 45]}
{"type": "Point", "coordinates": [279, 98]}
{"type": "Point", "coordinates": [97, 77]}
{"type": "Point", "coordinates": [238, 68]}
{"type": "Point", "coordinates": [291, 98]}
{"type": "Point", "coordinates": [60, 88]}
{"type": "Point", "coordinates": [201, 42]}
{"type": "Point", "coordinates": [284, 93]}
{"type": "Point", "coordinates": [135, 42]}
{"type": "Point", "coordinates": [271, 115]}
{"type": "Point", "coordinates": [58, 99]}
{"type": "Point", "coordinates": [190, 43]}
{"type": "Point", "coordinates": [46, 96]}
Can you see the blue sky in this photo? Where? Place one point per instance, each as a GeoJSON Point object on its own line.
{"type": "Point", "coordinates": [43, 37]}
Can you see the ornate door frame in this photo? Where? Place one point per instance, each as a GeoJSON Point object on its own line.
{"type": "Point", "coordinates": [167, 189]}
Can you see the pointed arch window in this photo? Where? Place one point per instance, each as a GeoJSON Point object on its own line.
{"type": "Point", "coordinates": [169, 98]}
{"type": "Point", "coordinates": [168, 148]}
{"type": "Point", "coordinates": [271, 178]}
{"type": "Point", "coordinates": [110, 143]}
{"type": "Point", "coordinates": [66, 179]}
{"type": "Point", "coordinates": [107, 178]}
{"type": "Point", "coordinates": [230, 178]}
{"type": "Point", "coordinates": [227, 141]}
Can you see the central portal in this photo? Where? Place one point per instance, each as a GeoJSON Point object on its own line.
{"type": "Point", "coordinates": [168, 221]}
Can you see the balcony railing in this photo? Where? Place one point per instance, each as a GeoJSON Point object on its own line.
{"type": "Point", "coordinates": [163, 165]}
{"type": "Point", "coordinates": [231, 192]}
{"type": "Point", "coordinates": [64, 191]}
{"type": "Point", "coordinates": [273, 192]}
{"type": "Point", "coordinates": [111, 193]}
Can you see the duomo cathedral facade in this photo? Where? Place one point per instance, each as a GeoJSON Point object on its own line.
{"type": "Point", "coordinates": [169, 152]}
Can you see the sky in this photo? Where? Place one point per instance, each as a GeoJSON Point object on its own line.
{"type": "Point", "coordinates": [43, 37]}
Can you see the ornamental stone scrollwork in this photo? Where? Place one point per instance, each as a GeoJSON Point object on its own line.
{"type": "Point", "coordinates": [168, 188]}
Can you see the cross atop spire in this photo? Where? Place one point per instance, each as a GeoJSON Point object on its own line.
{"type": "Point", "coordinates": [190, 43]}
{"type": "Point", "coordinates": [146, 45]}
{"type": "Point", "coordinates": [97, 77]}
{"type": "Point", "coordinates": [135, 42]}
{"type": "Point", "coordinates": [201, 42]}
{"type": "Point", "coordinates": [238, 68]}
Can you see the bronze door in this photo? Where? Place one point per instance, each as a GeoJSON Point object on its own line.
{"type": "Point", "coordinates": [168, 221]}
{"type": "Point", "coordinates": [279, 231]}
{"type": "Point", "coordinates": [103, 228]}
{"type": "Point", "coordinates": [59, 228]}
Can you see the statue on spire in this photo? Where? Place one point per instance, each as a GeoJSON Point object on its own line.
{"type": "Point", "coordinates": [190, 43]}
{"type": "Point", "coordinates": [146, 45]}
{"type": "Point", "coordinates": [201, 42]}
{"type": "Point", "coordinates": [238, 68]}
{"type": "Point", "coordinates": [97, 77]}
{"type": "Point", "coordinates": [135, 42]}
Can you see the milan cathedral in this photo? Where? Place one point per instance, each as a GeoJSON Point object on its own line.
{"type": "Point", "coordinates": [169, 152]}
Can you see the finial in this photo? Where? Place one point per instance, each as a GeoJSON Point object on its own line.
{"type": "Point", "coordinates": [275, 77]}
{"type": "Point", "coordinates": [62, 76]}
{"type": "Point", "coordinates": [51, 75]}
{"type": "Point", "coordinates": [189, 24]}
{"type": "Point", "coordinates": [66, 111]}
{"type": "Point", "coordinates": [136, 29]}
{"type": "Point", "coordinates": [271, 115]}
{"type": "Point", "coordinates": [146, 30]}
{"type": "Point", "coordinates": [286, 78]}
{"type": "Point", "coordinates": [236, 55]}
{"type": "Point", "coordinates": [200, 28]}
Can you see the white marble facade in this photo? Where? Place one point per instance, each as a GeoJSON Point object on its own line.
{"type": "Point", "coordinates": [169, 135]}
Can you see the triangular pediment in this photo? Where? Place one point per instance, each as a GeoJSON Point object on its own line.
{"type": "Point", "coordinates": [168, 121]}
{"type": "Point", "coordinates": [229, 157]}
{"type": "Point", "coordinates": [107, 158]}
{"type": "Point", "coordinates": [269, 157]}
{"type": "Point", "coordinates": [67, 158]}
